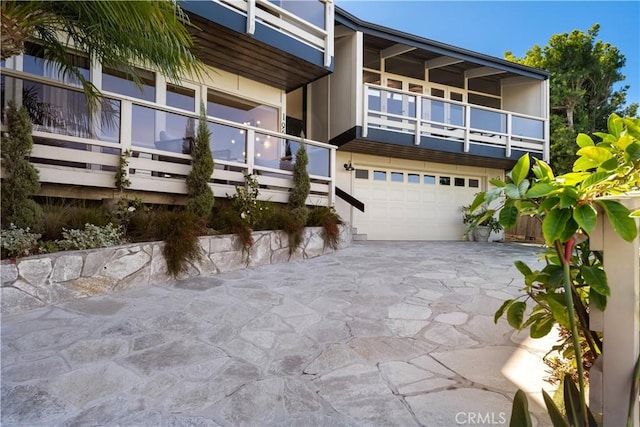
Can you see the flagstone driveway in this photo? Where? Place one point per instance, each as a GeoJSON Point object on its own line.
{"type": "Point", "coordinates": [381, 334]}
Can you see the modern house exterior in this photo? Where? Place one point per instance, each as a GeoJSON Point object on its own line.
{"type": "Point", "coordinates": [405, 128]}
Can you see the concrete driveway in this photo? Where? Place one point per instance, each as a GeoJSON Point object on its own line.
{"type": "Point", "coordinates": [380, 334]}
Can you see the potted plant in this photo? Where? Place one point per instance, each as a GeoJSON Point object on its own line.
{"type": "Point", "coordinates": [479, 224]}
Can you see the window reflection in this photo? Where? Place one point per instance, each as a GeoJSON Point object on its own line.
{"type": "Point", "coordinates": [34, 63]}
{"type": "Point", "coordinates": [241, 110]}
{"type": "Point", "coordinates": [117, 81]}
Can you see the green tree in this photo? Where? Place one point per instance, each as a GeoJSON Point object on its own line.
{"type": "Point", "coordinates": [117, 34]}
{"type": "Point", "coordinates": [583, 71]}
{"type": "Point", "coordinates": [21, 180]}
{"type": "Point", "coordinates": [301, 187]}
{"type": "Point", "coordinates": [201, 198]}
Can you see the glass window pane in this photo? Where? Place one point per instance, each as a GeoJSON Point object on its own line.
{"type": "Point", "coordinates": [488, 120]}
{"type": "Point", "coordinates": [474, 183]}
{"type": "Point", "coordinates": [413, 178]}
{"type": "Point", "coordinates": [458, 182]}
{"type": "Point", "coordinates": [379, 176]}
{"type": "Point", "coordinates": [242, 111]}
{"type": "Point", "coordinates": [227, 143]}
{"type": "Point", "coordinates": [181, 97]}
{"type": "Point", "coordinates": [362, 174]}
{"type": "Point", "coordinates": [119, 82]}
{"type": "Point", "coordinates": [429, 179]}
{"type": "Point", "coordinates": [523, 126]}
{"type": "Point", "coordinates": [35, 63]}
{"type": "Point", "coordinates": [397, 177]}
{"type": "Point", "coordinates": [445, 180]}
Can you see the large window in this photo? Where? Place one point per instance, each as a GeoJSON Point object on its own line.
{"type": "Point", "coordinates": [117, 81]}
{"type": "Point", "coordinates": [35, 63]}
{"type": "Point", "coordinates": [240, 110]}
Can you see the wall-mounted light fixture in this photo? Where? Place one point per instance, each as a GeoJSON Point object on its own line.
{"type": "Point", "coordinates": [348, 167]}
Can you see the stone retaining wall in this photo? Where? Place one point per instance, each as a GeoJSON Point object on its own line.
{"type": "Point", "coordinates": [32, 282]}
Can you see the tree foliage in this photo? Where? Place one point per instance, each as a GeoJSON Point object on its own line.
{"type": "Point", "coordinates": [21, 180]}
{"type": "Point", "coordinates": [118, 34]}
{"type": "Point", "coordinates": [201, 198]}
{"type": "Point", "coordinates": [583, 71]}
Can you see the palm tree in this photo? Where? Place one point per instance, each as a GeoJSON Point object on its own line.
{"type": "Point", "coordinates": [115, 33]}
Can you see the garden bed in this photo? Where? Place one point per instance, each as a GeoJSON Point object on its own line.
{"type": "Point", "coordinates": [38, 281]}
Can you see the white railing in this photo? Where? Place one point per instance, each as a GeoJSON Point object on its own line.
{"type": "Point", "coordinates": [73, 148]}
{"type": "Point", "coordinates": [423, 115]}
{"type": "Point", "coordinates": [318, 35]}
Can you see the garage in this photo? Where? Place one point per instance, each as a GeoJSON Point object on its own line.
{"type": "Point", "coordinates": [404, 204]}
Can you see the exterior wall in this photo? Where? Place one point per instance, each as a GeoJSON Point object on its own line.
{"type": "Point", "coordinates": [343, 86]}
{"type": "Point", "coordinates": [318, 109]}
{"type": "Point", "coordinates": [524, 96]}
{"type": "Point", "coordinates": [38, 281]}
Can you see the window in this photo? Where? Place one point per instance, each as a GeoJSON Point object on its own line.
{"type": "Point", "coordinates": [181, 97]}
{"type": "Point", "coordinates": [379, 176]}
{"type": "Point", "coordinates": [241, 110]}
{"type": "Point", "coordinates": [474, 183]}
{"type": "Point", "coordinates": [413, 178]}
{"type": "Point", "coordinates": [397, 177]}
{"type": "Point", "coordinates": [35, 63]}
{"type": "Point", "coordinates": [429, 179]}
{"type": "Point", "coordinates": [458, 182]}
{"type": "Point", "coordinates": [120, 82]}
{"type": "Point", "coordinates": [445, 180]}
{"type": "Point", "coordinates": [362, 174]}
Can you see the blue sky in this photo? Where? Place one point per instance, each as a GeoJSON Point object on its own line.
{"type": "Point", "coordinates": [493, 27]}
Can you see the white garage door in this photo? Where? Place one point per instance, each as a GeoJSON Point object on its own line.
{"type": "Point", "coordinates": [412, 205]}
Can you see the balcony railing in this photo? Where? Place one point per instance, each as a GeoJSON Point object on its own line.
{"type": "Point", "coordinates": [310, 21]}
{"type": "Point", "coordinates": [422, 115]}
{"type": "Point", "coordinates": [74, 147]}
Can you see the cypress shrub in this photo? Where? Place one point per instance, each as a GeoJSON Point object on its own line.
{"type": "Point", "coordinates": [21, 181]}
{"type": "Point", "coordinates": [301, 187]}
{"type": "Point", "coordinates": [201, 198]}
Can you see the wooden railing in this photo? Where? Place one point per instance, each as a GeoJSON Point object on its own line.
{"type": "Point", "coordinates": [423, 115]}
{"type": "Point", "coordinates": [317, 36]}
{"type": "Point", "coordinates": [72, 147]}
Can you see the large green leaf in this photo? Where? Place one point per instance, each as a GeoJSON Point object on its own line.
{"type": "Point", "coordinates": [554, 224]}
{"type": "Point", "coordinates": [554, 413]}
{"type": "Point", "coordinates": [632, 152]}
{"type": "Point", "coordinates": [598, 300]}
{"type": "Point", "coordinates": [568, 197]}
{"type": "Point", "coordinates": [515, 314]}
{"type": "Point", "coordinates": [573, 178]}
{"type": "Point", "coordinates": [540, 189]}
{"type": "Point", "coordinates": [520, 416]}
{"type": "Point", "coordinates": [597, 178]}
{"type": "Point", "coordinates": [596, 278]}
{"type": "Point", "coordinates": [586, 217]}
{"type": "Point", "coordinates": [570, 228]}
{"type": "Point", "coordinates": [522, 268]}
{"type": "Point", "coordinates": [605, 136]}
{"type": "Point", "coordinates": [548, 204]}
{"type": "Point", "coordinates": [491, 195]}
{"type": "Point", "coordinates": [542, 327]}
{"type": "Point", "coordinates": [583, 164]}
{"type": "Point", "coordinates": [615, 125]}
{"type": "Point", "coordinates": [508, 216]}
{"type": "Point", "coordinates": [477, 201]}
{"type": "Point", "coordinates": [512, 191]}
{"type": "Point", "coordinates": [620, 219]}
{"type": "Point", "coordinates": [521, 169]}
{"type": "Point", "coordinates": [559, 311]}
{"type": "Point", "coordinates": [497, 182]}
{"type": "Point", "coordinates": [596, 154]}
{"type": "Point", "coordinates": [584, 140]}
{"type": "Point", "coordinates": [498, 314]}
{"type": "Point", "coordinates": [542, 170]}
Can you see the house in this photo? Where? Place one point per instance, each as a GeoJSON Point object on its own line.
{"type": "Point", "coordinates": [404, 130]}
{"type": "Point", "coordinates": [421, 127]}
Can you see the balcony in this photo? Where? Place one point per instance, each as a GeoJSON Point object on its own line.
{"type": "Point", "coordinates": [283, 43]}
{"type": "Point", "coordinates": [74, 148]}
{"type": "Point", "coordinates": [453, 126]}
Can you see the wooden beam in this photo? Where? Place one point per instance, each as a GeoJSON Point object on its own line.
{"type": "Point", "coordinates": [441, 61]}
{"type": "Point", "coordinates": [395, 50]}
{"type": "Point", "coordinates": [481, 72]}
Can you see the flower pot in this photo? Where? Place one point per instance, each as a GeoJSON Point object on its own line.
{"type": "Point", "coordinates": [481, 233]}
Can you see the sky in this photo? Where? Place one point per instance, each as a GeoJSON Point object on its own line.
{"type": "Point", "coordinates": [494, 27]}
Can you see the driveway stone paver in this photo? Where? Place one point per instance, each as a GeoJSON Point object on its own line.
{"type": "Point", "coordinates": [379, 334]}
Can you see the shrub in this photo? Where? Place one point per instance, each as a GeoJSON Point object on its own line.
{"type": "Point", "coordinates": [16, 242]}
{"type": "Point", "coordinates": [301, 186]}
{"type": "Point", "coordinates": [227, 221]}
{"type": "Point", "coordinates": [246, 204]}
{"type": "Point", "coordinates": [71, 214]}
{"type": "Point", "coordinates": [328, 219]}
{"type": "Point", "coordinates": [201, 198]}
{"type": "Point", "coordinates": [93, 236]}
{"type": "Point", "coordinates": [21, 178]}
{"type": "Point", "coordinates": [180, 231]}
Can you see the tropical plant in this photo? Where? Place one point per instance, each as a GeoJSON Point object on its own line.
{"type": "Point", "coordinates": [21, 180]}
{"type": "Point", "coordinates": [568, 207]}
{"type": "Point", "coordinates": [200, 195]}
{"type": "Point", "coordinates": [118, 34]}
